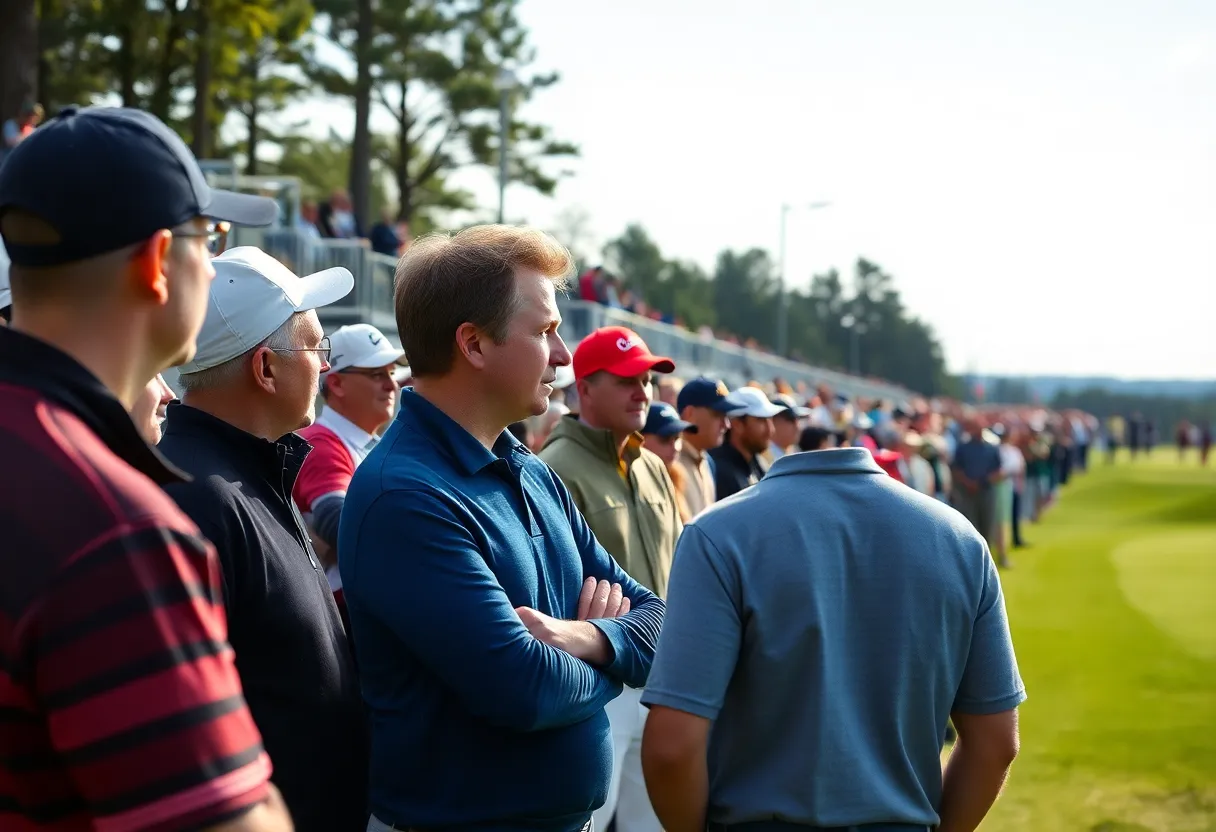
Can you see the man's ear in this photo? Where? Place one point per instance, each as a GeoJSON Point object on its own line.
{"type": "Point", "coordinates": [265, 366]}
{"type": "Point", "coordinates": [149, 266]}
{"type": "Point", "coordinates": [470, 343]}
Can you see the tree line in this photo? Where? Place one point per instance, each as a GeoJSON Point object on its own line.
{"type": "Point", "coordinates": [202, 65]}
{"type": "Point", "coordinates": [857, 324]}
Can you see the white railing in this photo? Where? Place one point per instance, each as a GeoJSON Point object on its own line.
{"type": "Point", "coordinates": [372, 302]}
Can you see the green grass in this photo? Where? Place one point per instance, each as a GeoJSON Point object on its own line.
{"type": "Point", "coordinates": [1113, 610]}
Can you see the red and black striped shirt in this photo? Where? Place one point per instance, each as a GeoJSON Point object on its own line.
{"type": "Point", "coordinates": [120, 704]}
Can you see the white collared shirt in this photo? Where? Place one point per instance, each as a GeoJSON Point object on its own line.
{"type": "Point", "coordinates": [358, 441]}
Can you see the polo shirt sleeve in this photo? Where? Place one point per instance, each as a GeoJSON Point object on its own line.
{"type": "Point", "coordinates": [635, 635]}
{"type": "Point", "coordinates": [443, 602]}
{"type": "Point", "coordinates": [327, 469]}
{"type": "Point", "coordinates": [144, 707]}
{"type": "Point", "coordinates": [702, 633]}
{"type": "Point", "coordinates": [990, 682]}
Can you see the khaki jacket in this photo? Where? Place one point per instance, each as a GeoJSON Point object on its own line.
{"type": "Point", "coordinates": [699, 491]}
{"type": "Point", "coordinates": [629, 504]}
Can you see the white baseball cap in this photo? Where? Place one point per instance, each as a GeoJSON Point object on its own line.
{"type": "Point", "coordinates": [253, 295]}
{"type": "Point", "coordinates": [362, 346]}
{"type": "Point", "coordinates": [564, 378]}
{"type": "Point", "coordinates": [753, 403]}
{"type": "Point", "coordinates": [6, 294]}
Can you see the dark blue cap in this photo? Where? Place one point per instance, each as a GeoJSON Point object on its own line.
{"type": "Point", "coordinates": [108, 177]}
{"type": "Point", "coordinates": [662, 420]}
{"type": "Point", "coordinates": [706, 392]}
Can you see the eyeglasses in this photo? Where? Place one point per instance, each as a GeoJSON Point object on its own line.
{"type": "Point", "coordinates": [216, 235]}
{"type": "Point", "coordinates": [322, 349]}
{"type": "Point", "coordinates": [375, 374]}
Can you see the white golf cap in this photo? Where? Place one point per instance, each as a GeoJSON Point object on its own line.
{"type": "Point", "coordinates": [253, 295]}
{"type": "Point", "coordinates": [754, 403]}
{"type": "Point", "coordinates": [6, 294]}
{"type": "Point", "coordinates": [565, 377]}
{"type": "Point", "coordinates": [361, 346]}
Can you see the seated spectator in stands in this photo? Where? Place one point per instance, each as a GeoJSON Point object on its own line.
{"type": "Point", "coordinates": [610, 291]}
{"type": "Point", "coordinates": [384, 237]}
{"type": "Point", "coordinates": [307, 223]}
{"type": "Point", "coordinates": [589, 284]}
{"type": "Point", "coordinates": [16, 129]}
{"type": "Point", "coordinates": [336, 218]}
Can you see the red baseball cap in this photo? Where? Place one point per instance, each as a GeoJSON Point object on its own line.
{"type": "Point", "coordinates": [620, 351]}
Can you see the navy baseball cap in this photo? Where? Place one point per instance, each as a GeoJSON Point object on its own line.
{"type": "Point", "coordinates": [662, 420]}
{"type": "Point", "coordinates": [707, 392]}
{"type": "Point", "coordinates": [108, 177]}
{"type": "Point", "coordinates": [789, 406]}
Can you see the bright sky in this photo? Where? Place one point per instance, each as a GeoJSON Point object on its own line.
{"type": "Point", "coordinates": [1039, 176]}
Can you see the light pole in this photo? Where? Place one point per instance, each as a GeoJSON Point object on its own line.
{"type": "Point", "coordinates": [505, 83]}
{"type": "Point", "coordinates": [783, 321]}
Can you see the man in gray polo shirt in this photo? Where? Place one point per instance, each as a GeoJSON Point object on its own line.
{"type": "Point", "coordinates": [811, 658]}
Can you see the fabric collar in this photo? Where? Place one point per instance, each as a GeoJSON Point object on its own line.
{"type": "Point", "coordinates": [346, 430]}
{"type": "Point", "coordinates": [276, 462]}
{"type": "Point", "coordinates": [32, 363]}
{"type": "Point", "coordinates": [599, 441]}
{"type": "Point", "coordinates": [830, 461]}
{"type": "Point", "coordinates": [460, 445]}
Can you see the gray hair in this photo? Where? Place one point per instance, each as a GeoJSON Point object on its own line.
{"type": "Point", "coordinates": [232, 369]}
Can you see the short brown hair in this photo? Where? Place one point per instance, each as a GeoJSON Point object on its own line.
{"type": "Point", "coordinates": [444, 281]}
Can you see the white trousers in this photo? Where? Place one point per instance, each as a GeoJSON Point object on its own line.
{"type": "Point", "coordinates": [627, 790]}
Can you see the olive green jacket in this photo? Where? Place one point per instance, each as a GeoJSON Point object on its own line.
{"type": "Point", "coordinates": [634, 516]}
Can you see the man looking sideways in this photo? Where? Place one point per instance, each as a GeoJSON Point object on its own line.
{"type": "Point", "coordinates": [492, 628]}
{"type": "Point", "coordinates": [107, 721]}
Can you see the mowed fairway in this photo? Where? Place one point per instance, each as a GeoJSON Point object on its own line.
{"type": "Point", "coordinates": [1113, 610]}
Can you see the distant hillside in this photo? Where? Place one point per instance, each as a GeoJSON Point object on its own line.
{"type": "Point", "coordinates": [1044, 388]}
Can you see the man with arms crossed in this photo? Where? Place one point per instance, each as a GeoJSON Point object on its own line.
{"type": "Point", "coordinates": [629, 502]}
{"type": "Point", "coordinates": [481, 604]}
{"type": "Point", "coordinates": [825, 651]}
{"type": "Point", "coordinates": [120, 706]}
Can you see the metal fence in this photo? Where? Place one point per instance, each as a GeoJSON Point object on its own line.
{"type": "Point", "coordinates": [372, 302]}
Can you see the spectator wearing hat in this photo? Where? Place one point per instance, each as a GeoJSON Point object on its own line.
{"type": "Point", "coordinates": [737, 462]}
{"type": "Point", "coordinates": [805, 677]}
{"type": "Point", "coordinates": [252, 383]}
{"type": "Point", "coordinates": [492, 627]}
{"type": "Point", "coordinates": [704, 403]}
{"type": "Point", "coordinates": [360, 396]}
{"type": "Point", "coordinates": [663, 435]}
{"type": "Point", "coordinates": [785, 428]}
{"type": "Point", "coordinates": [630, 504]}
{"type": "Point", "coordinates": [109, 722]}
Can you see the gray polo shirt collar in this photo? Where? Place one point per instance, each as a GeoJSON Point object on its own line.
{"type": "Point", "coordinates": [830, 461]}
